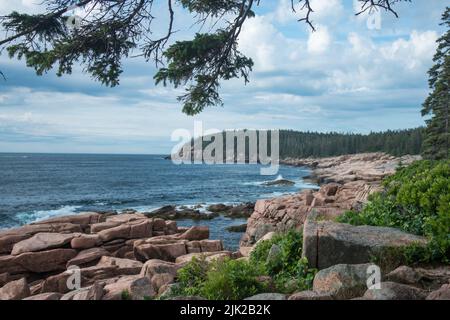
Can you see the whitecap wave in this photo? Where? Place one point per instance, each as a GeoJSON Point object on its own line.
{"type": "Point", "coordinates": [38, 215]}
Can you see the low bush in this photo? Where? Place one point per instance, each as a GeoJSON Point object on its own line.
{"type": "Point", "coordinates": [288, 269]}
{"type": "Point", "coordinates": [416, 200]}
{"type": "Point", "coordinates": [237, 279]}
{"type": "Point", "coordinates": [232, 280]}
{"type": "Point", "coordinates": [219, 280]}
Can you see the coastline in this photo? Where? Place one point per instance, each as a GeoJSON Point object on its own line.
{"type": "Point", "coordinates": [345, 184]}
{"type": "Point", "coordinates": [142, 253]}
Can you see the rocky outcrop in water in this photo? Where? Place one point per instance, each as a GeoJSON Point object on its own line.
{"type": "Point", "coordinates": [243, 210]}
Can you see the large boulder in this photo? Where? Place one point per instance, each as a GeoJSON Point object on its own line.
{"type": "Point", "coordinates": [327, 243]}
{"type": "Point", "coordinates": [126, 217]}
{"type": "Point", "coordinates": [85, 241]}
{"type": "Point", "coordinates": [97, 227]}
{"type": "Point", "coordinates": [395, 291]}
{"type": "Point", "coordinates": [88, 256]}
{"type": "Point", "coordinates": [428, 279]}
{"type": "Point", "coordinates": [8, 240]}
{"type": "Point", "coordinates": [89, 276]}
{"type": "Point", "coordinates": [4, 278]}
{"type": "Point", "coordinates": [94, 292]}
{"type": "Point", "coordinates": [161, 280]}
{"type": "Point", "coordinates": [278, 214]}
{"type": "Point", "coordinates": [125, 266]}
{"type": "Point", "coordinates": [342, 281]}
{"type": "Point", "coordinates": [9, 266]}
{"type": "Point", "coordinates": [441, 294]}
{"type": "Point", "coordinates": [133, 229]}
{"type": "Point", "coordinates": [129, 288]}
{"type": "Point", "coordinates": [15, 290]}
{"type": "Point", "coordinates": [161, 273]}
{"type": "Point", "coordinates": [153, 267]}
{"type": "Point", "coordinates": [106, 268]}
{"type": "Point", "coordinates": [171, 227]}
{"type": "Point", "coordinates": [167, 250]}
{"type": "Point", "coordinates": [195, 233]}
{"type": "Point", "coordinates": [84, 219]}
{"type": "Point", "coordinates": [42, 241]}
{"type": "Point", "coordinates": [218, 208]}
{"type": "Point", "coordinates": [211, 245]}
{"type": "Point", "coordinates": [10, 237]}
{"type": "Point", "coordinates": [244, 210]}
{"type": "Point", "coordinates": [45, 261]}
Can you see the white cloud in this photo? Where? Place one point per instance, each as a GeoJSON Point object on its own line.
{"type": "Point", "coordinates": [324, 9]}
{"type": "Point", "coordinates": [343, 77]}
{"type": "Point", "coordinates": [257, 40]}
{"type": "Point", "coordinates": [320, 40]}
{"type": "Point", "coordinates": [414, 52]}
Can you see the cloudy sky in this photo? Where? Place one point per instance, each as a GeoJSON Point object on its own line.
{"type": "Point", "coordinates": [355, 74]}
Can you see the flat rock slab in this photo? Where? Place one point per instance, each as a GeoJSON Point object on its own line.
{"type": "Point", "coordinates": [326, 243]}
{"type": "Point", "coordinates": [42, 241]}
{"type": "Point", "coordinates": [395, 291]}
{"type": "Point", "coordinates": [9, 238]}
{"type": "Point", "coordinates": [45, 261]}
{"type": "Point", "coordinates": [88, 256]}
{"type": "Point", "coordinates": [83, 218]}
{"type": "Point", "coordinates": [125, 266]}
{"type": "Point", "coordinates": [136, 287]}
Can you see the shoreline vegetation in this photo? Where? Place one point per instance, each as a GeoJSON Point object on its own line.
{"type": "Point", "coordinates": [282, 254]}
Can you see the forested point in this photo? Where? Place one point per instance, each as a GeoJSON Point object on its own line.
{"type": "Point", "coordinates": [295, 144]}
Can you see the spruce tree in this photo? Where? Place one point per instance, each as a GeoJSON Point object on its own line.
{"type": "Point", "coordinates": [436, 144]}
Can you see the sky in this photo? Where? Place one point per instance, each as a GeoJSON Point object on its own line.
{"type": "Point", "coordinates": [354, 74]}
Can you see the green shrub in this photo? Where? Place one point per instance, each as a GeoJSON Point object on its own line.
{"type": "Point", "coordinates": [219, 280]}
{"type": "Point", "coordinates": [232, 280]}
{"type": "Point", "coordinates": [289, 270]}
{"type": "Point", "coordinates": [192, 277]}
{"type": "Point", "coordinates": [416, 200]}
{"type": "Point", "coordinates": [237, 279]}
{"type": "Point", "coordinates": [125, 295]}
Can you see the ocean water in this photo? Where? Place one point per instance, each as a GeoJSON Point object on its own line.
{"type": "Point", "coordinates": [40, 186]}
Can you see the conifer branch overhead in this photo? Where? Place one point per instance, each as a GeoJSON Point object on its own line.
{"type": "Point", "coordinates": [112, 30]}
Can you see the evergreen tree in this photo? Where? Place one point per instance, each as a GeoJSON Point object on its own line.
{"type": "Point", "coordinates": [437, 134]}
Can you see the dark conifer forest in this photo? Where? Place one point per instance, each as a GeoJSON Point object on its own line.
{"type": "Point", "coordinates": [295, 144]}
{"type": "Point", "coordinates": [313, 144]}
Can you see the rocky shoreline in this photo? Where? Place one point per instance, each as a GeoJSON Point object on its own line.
{"type": "Point", "coordinates": [346, 182]}
{"type": "Point", "coordinates": [136, 256]}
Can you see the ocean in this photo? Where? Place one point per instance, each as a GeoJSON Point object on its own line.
{"type": "Point", "coordinates": [40, 186]}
